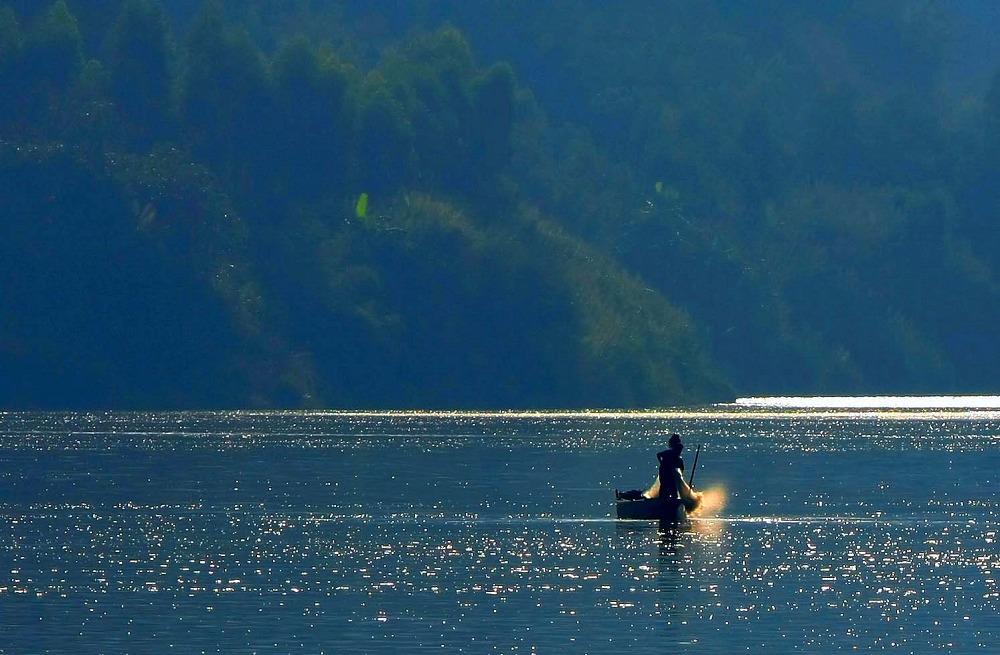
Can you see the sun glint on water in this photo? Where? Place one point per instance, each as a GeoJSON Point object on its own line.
{"type": "Point", "coordinates": [872, 402]}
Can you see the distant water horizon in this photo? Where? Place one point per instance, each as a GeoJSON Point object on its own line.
{"type": "Point", "coordinates": [873, 402]}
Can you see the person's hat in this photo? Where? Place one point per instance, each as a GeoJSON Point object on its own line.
{"type": "Point", "coordinates": [675, 440]}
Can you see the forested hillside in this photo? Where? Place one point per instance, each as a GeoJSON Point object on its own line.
{"type": "Point", "coordinates": [494, 204]}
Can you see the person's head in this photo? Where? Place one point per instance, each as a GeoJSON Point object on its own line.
{"type": "Point", "coordinates": [675, 442]}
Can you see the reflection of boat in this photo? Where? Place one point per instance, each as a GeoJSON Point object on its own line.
{"type": "Point", "coordinates": [657, 509]}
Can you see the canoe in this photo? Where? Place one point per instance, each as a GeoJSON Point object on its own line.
{"type": "Point", "coordinates": [629, 505]}
{"type": "Point", "coordinates": [651, 509]}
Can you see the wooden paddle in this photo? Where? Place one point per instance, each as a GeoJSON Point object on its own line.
{"type": "Point", "coordinates": [694, 466]}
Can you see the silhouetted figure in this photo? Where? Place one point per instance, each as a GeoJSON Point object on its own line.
{"type": "Point", "coordinates": [671, 468]}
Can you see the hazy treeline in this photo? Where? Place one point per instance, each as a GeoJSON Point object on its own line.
{"type": "Point", "coordinates": [185, 230]}
{"type": "Point", "coordinates": [568, 204]}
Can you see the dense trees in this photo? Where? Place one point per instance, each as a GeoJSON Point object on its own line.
{"type": "Point", "coordinates": [311, 88]}
{"type": "Point", "coordinates": [54, 55]}
{"type": "Point", "coordinates": [428, 115]}
{"type": "Point", "coordinates": [199, 245]}
{"type": "Point", "coordinates": [644, 204]}
{"type": "Point", "coordinates": [140, 61]}
{"type": "Point", "coordinates": [10, 56]}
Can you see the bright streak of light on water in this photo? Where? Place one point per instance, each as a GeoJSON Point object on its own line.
{"type": "Point", "coordinates": [872, 402]}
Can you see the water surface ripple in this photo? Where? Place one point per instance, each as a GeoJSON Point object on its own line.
{"type": "Point", "coordinates": [338, 532]}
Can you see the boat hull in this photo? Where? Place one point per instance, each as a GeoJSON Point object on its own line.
{"type": "Point", "coordinates": [651, 509]}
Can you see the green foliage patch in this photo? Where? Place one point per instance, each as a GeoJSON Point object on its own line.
{"type": "Point", "coordinates": [339, 204]}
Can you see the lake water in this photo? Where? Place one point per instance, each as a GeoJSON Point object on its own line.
{"type": "Point", "coordinates": [843, 530]}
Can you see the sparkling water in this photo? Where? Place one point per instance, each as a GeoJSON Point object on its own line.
{"type": "Point", "coordinates": [868, 529]}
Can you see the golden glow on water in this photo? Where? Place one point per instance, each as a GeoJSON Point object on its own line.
{"type": "Point", "coordinates": [713, 501]}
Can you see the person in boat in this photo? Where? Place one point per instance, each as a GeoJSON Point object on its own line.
{"type": "Point", "coordinates": [670, 476]}
{"type": "Point", "coordinates": [671, 468]}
